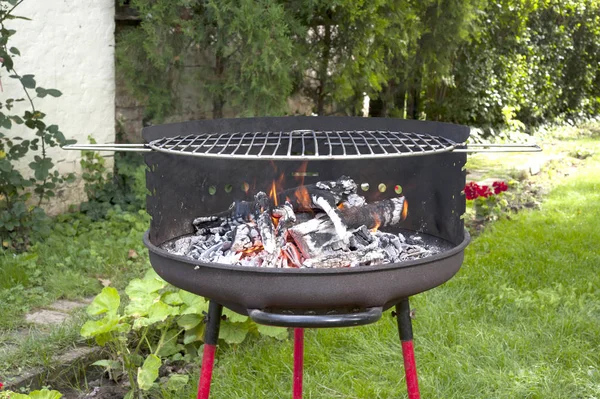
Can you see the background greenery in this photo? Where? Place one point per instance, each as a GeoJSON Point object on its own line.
{"type": "Point", "coordinates": [475, 62]}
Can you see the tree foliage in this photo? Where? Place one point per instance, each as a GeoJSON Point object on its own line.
{"type": "Point", "coordinates": [477, 62]}
{"type": "Point", "coordinates": [241, 51]}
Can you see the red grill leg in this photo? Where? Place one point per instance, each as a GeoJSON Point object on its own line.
{"type": "Point", "coordinates": [211, 336]}
{"type": "Point", "coordinates": [298, 362]}
{"type": "Point", "coordinates": [408, 351]}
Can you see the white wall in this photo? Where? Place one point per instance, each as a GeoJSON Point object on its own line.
{"type": "Point", "coordinates": [69, 46]}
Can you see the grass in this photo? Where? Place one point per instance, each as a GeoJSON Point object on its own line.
{"type": "Point", "coordinates": [70, 263]}
{"type": "Point", "coordinates": [521, 320]}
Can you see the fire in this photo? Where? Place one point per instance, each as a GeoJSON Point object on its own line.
{"type": "Point", "coordinates": [273, 193]}
{"type": "Point", "coordinates": [301, 194]}
{"type": "Point", "coordinates": [303, 197]}
{"type": "Point", "coordinates": [404, 210]}
{"type": "Point", "coordinates": [377, 224]}
{"type": "Point", "coordinates": [252, 250]}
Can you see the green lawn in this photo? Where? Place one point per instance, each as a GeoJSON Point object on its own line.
{"type": "Point", "coordinates": [520, 320]}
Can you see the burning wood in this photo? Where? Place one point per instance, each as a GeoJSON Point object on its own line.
{"type": "Point", "coordinates": [324, 225]}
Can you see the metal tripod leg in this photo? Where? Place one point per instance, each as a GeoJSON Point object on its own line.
{"type": "Point", "coordinates": [408, 351]}
{"type": "Point", "coordinates": [211, 336]}
{"type": "Point", "coordinates": [298, 362]}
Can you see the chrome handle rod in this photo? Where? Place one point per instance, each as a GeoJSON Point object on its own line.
{"type": "Point", "coordinates": [108, 147]}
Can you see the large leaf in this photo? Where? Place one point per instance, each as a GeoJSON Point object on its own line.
{"type": "Point", "coordinates": [107, 301]}
{"type": "Point", "coordinates": [92, 328]}
{"type": "Point", "coordinates": [279, 333]}
{"type": "Point", "coordinates": [170, 345]}
{"type": "Point", "coordinates": [189, 321]}
{"type": "Point", "coordinates": [44, 394]}
{"type": "Point", "coordinates": [148, 373]}
{"type": "Point", "coordinates": [177, 382]}
{"type": "Point", "coordinates": [233, 333]}
{"type": "Point", "coordinates": [233, 316]}
{"type": "Point", "coordinates": [139, 289]}
{"type": "Point", "coordinates": [28, 81]}
{"type": "Point", "coordinates": [108, 364]}
{"type": "Point", "coordinates": [195, 334]}
{"type": "Point", "coordinates": [159, 311]}
{"type": "Point", "coordinates": [172, 298]}
{"type": "Point", "coordinates": [194, 303]}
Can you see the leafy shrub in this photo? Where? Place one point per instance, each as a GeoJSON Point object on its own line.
{"type": "Point", "coordinates": [126, 187]}
{"type": "Point", "coordinates": [21, 197]}
{"type": "Point", "coordinates": [159, 323]}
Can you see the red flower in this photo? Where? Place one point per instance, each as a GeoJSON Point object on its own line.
{"type": "Point", "coordinates": [471, 190]}
{"type": "Point", "coordinates": [1, 385]}
{"type": "Point", "coordinates": [499, 186]}
{"type": "Point", "coordinates": [484, 191]}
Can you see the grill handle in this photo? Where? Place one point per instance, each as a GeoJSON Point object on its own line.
{"type": "Point", "coordinates": [315, 319]}
{"type": "Point", "coordinates": [108, 147]}
{"type": "Point", "coordinates": [471, 148]}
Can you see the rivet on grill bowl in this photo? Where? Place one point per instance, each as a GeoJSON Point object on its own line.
{"type": "Point", "coordinates": [364, 186]}
{"type": "Point", "coordinates": [382, 187]}
{"type": "Point", "coordinates": [245, 187]}
{"type": "Point", "coordinates": [228, 188]}
{"type": "Point", "coordinates": [212, 190]}
{"type": "Point", "coordinates": [398, 189]}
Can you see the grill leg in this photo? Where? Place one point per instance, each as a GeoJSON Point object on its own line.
{"type": "Point", "coordinates": [408, 351]}
{"type": "Point", "coordinates": [298, 362]}
{"type": "Point", "coordinates": [211, 336]}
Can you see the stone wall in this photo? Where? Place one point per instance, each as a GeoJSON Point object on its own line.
{"type": "Point", "coordinates": [68, 45]}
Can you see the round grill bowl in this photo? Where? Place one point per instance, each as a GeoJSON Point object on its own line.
{"type": "Point", "coordinates": [243, 288]}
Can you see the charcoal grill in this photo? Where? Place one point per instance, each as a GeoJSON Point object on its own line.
{"type": "Point", "coordinates": [199, 168]}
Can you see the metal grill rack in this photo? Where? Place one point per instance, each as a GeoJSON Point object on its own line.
{"type": "Point", "coordinates": [305, 145]}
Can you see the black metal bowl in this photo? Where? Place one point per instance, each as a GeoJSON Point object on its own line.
{"type": "Point", "coordinates": [243, 289]}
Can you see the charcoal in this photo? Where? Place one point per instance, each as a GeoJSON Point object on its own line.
{"type": "Point", "coordinates": [329, 225]}
{"type": "Point", "coordinates": [347, 259]}
{"type": "Point", "coordinates": [245, 236]}
{"type": "Point", "coordinates": [266, 228]}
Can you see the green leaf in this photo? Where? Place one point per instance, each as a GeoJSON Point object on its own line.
{"type": "Point", "coordinates": [107, 301]}
{"type": "Point", "coordinates": [129, 395]}
{"type": "Point", "coordinates": [53, 92]}
{"type": "Point", "coordinates": [233, 316]}
{"type": "Point", "coordinates": [195, 334]}
{"type": "Point", "coordinates": [170, 345]}
{"type": "Point", "coordinates": [233, 333]}
{"type": "Point", "coordinates": [148, 373]}
{"type": "Point", "coordinates": [172, 298]}
{"type": "Point", "coordinates": [159, 311]}
{"type": "Point", "coordinates": [140, 289]}
{"type": "Point", "coordinates": [28, 81]}
{"type": "Point", "coordinates": [45, 394]}
{"type": "Point", "coordinates": [177, 382]}
{"type": "Point", "coordinates": [194, 303]}
{"type": "Point", "coordinates": [94, 328]}
{"type": "Point", "coordinates": [108, 364]}
{"type": "Point", "coordinates": [189, 321]}
{"type": "Point", "coordinates": [15, 51]}
{"type": "Point", "coordinates": [279, 333]}
{"type": "Point", "coordinates": [41, 92]}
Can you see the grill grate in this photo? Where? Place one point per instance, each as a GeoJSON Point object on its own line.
{"type": "Point", "coordinates": [305, 144]}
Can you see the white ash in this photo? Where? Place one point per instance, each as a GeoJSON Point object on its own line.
{"type": "Point", "coordinates": [259, 234]}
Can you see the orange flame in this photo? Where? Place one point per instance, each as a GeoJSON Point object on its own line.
{"type": "Point", "coordinates": [250, 251]}
{"type": "Point", "coordinates": [404, 210]}
{"type": "Point", "coordinates": [301, 194]}
{"type": "Point", "coordinates": [273, 193]}
{"type": "Point", "coordinates": [303, 197]}
{"type": "Point", "coordinates": [377, 224]}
